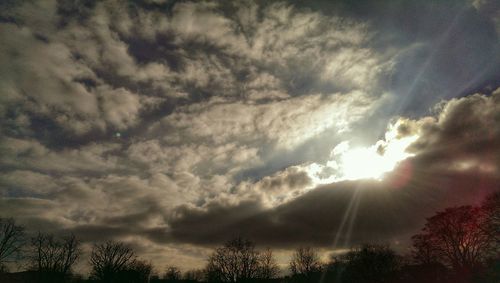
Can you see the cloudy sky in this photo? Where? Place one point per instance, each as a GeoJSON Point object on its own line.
{"type": "Point", "coordinates": [176, 125]}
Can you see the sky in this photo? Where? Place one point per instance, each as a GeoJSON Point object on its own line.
{"type": "Point", "coordinates": [175, 126]}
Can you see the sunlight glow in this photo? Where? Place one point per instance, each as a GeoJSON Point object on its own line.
{"type": "Point", "coordinates": [373, 162]}
{"type": "Point", "coordinates": [370, 162]}
{"type": "Point", "coordinates": [366, 163]}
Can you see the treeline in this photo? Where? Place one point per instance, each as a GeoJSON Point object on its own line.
{"type": "Point", "coordinates": [50, 259]}
{"type": "Point", "coordinates": [459, 244]}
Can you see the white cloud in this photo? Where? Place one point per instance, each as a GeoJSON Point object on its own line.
{"type": "Point", "coordinates": [286, 122]}
{"type": "Point", "coordinates": [32, 154]}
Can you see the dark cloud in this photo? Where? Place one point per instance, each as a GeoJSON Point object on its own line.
{"type": "Point", "coordinates": [464, 135]}
{"type": "Point", "coordinates": [373, 212]}
{"type": "Point", "coordinates": [379, 213]}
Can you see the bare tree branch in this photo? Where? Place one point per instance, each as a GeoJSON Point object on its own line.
{"type": "Point", "coordinates": [107, 260]}
{"type": "Point", "coordinates": [11, 239]}
{"type": "Point", "coordinates": [54, 258]}
{"type": "Point", "coordinates": [304, 261]}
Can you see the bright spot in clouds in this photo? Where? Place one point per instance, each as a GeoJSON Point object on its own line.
{"type": "Point", "coordinates": [372, 162]}
{"type": "Point", "coordinates": [367, 163]}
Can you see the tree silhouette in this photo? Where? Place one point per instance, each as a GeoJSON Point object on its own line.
{"type": "Point", "coordinates": [137, 271]}
{"type": "Point", "coordinates": [458, 244]}
{"type": "Point", "coordinates": [109, 260]}
{"type": "Point", "coordinates": [53, 258]}
{"type": "Point", "coordinates": [194, 275]}
{"type": "Point", "coordinates": [491, 210]}
{"type": "Point", "coordinates": [11, 239]}
{"type": "Point", "coordinates": [172, 274]}
{"type": "Point", "coordinates": [370, 264]}
{"type": "Point", "coordinates": [237, 261]}
{"type": "Point", "coordinates": [424, 249]}
{"type": "Point", "coordinates": [454, 237]}
{"type": "Point", "coordinates": [305, 261]}
{"type": "Point", "coordinates": [268, 267]}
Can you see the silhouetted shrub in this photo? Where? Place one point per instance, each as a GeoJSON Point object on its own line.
{"type": "Point", "coordinates": [370, 263]}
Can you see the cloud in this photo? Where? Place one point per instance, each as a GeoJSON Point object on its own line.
{"type": "Point", "coordinates": [463, 135]}
{"type": "Point", "coordinates": [278, 188]}
{"type": "Point", "coordinates": [89, 58]}
{"type": "Point", "coordinates": [282, 210]}
{"type": "Point", "coordinates": [26, 153]}
{"type": "Point", "coordinates": [28, 183]}
{"type": "Point", "coordinates": [199, 159]}
{"type": "Point", "coordinates": [454, 164]}
{"type": "Point", "coordinates": [285, 122]}
{"type": "Point", "coordinates": [336, 215]}
{"type": "Point", "coordinates": [56, 75]}
{"type": "Point", "coordinates": [44, 80]}
{"type": "Point", "coordinates": [309, 219]}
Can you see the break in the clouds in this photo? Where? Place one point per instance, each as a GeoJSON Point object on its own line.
{"type": "Point", "coordinates": [176, 125]}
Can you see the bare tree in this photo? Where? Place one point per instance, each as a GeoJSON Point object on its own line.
{"type": "Point", "coordinates": [194, 275]}
{"type": "Point", "coordinates": [173, 273]}
{"type": "Point", "coordinates": [237, 260]}
{"type": "Point", "coordinates": [109, 259]}
{"type": "Point", "coordinates": [268, 267]}
{"type": "Point", "coordinates": [305, 261]}
{"type": "Point", "coordinates": [424, 251]}
{"type": "Point", "coordinates": [53, 258]}
{"type": "Point", "coordinates": [11, 239]}
{"type": "Point", "coordinates": [454, 237]}
{"type": "Point", "coordinates": [491, 211]}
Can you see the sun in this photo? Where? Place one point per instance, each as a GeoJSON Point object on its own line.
{"type": "Point", "coordinates": [363, 162]}
{"type": "Point", "coordinates": [374, 161]}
